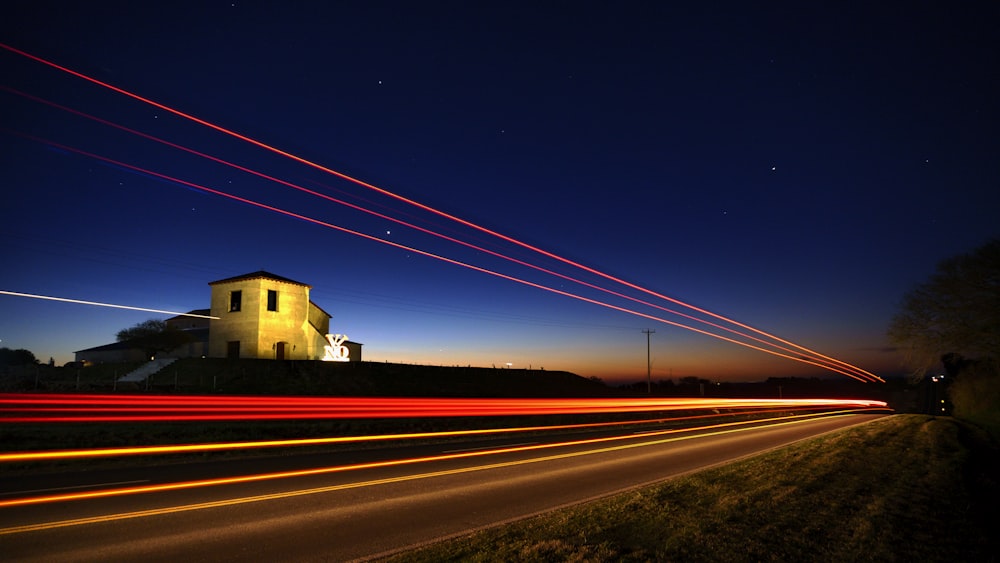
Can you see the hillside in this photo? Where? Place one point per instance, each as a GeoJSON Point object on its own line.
{"type": "Point", "coordinates": [269, 377]}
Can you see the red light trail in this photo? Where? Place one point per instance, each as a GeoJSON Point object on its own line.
{"type": "Point", "coordinates": [821, 360]}
{"type": "Point", "coordinates": [300, 442]}
{"type": "Point", "coordinates": [161, 408]}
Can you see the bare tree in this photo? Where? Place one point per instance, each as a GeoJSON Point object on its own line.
{"type": "Point", "coordinates": [954, 317]}
{"type": "Point", "coordinates": [154, 336]}
{"type": "Point", "coordinates": [19, 357]}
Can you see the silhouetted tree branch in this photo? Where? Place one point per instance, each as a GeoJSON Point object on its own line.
{"type": "Point", "coordinates": [954, 317]}
{"type": "Point", "coordinates": [19, 357]}
{"type": "Point", "coordinates": [154, 336]}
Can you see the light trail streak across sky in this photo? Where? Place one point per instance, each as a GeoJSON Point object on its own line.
{"type": "Point", "coordinates": [99, 304]}
{"type": "Point", "coordinates": [399, 221]}
{"type": "Point", "coordinates": [818, 359]}
{"type": "Point", "coordinates": [668, 436]}
{"type": "Point", "coordinates": [819, 363]}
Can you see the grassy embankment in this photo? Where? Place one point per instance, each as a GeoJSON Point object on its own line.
{"type": "Point", "coordinates": [903, 488]}
{"type": "Point", "coordinates": [193, 376]}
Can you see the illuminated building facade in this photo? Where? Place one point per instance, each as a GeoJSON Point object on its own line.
{"type": "Point", "coordinates": [260, 315]}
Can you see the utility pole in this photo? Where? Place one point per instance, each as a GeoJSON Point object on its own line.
{"type": "Point", "coordinates": [649, 377]}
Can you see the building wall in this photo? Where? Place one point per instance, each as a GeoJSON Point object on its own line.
{"type": "Point", "coordinates": [319, 327]}
{"type": "Point", "coordinates": [355, 349]}
{"type": "Point", "coordinates": [233, 326]}
{"type": "Point", "coordinates": [110, 356]}
{"type": "Point", "coordinates": [319, 319]}
{"type": "Point", "coordinates": [193, 349]}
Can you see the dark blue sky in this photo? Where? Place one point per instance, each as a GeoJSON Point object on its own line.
{"type": "Point", "coordinates": [796, 167]}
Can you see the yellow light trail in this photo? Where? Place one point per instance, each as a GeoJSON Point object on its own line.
{"type": "Point", "coordinates": [730, 426]}
{"type": "Point", "coordinates": [360, 484]}
{"type": "Point", "coordinates": [50, 455]}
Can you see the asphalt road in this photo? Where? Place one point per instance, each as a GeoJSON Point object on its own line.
{"type": "Point", "coordinates": [359, 513]}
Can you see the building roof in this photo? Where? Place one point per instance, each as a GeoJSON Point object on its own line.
{"type": "Point", "coordinates": [195, 313]}
{"type": "Point", "coordinates": [258, 275]}
{"type": "Point", "coordinates": [124, 345]}
{"type": "Point", "coordinates": [196, 334]}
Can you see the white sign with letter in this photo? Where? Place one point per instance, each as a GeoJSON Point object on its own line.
{"type": "Point", "coordinates": [336, 351]}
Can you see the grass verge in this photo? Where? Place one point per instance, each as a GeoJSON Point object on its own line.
{"type": "Point", "coordinates": [902, 488]}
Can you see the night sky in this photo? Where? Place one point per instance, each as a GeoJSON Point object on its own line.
{"type": "Point", "coordinates": [797, 167]}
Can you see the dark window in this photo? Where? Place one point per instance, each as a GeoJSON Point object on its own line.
{"type": "Point", "coordinates": [235, 301]}
{"type": "Point", "coordinates": [272, 300]}
{"type": "Point", "coordinates": [233, 349]}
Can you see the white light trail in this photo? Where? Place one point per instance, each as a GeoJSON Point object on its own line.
{"type": "Point", "coordinates": [99, 304]}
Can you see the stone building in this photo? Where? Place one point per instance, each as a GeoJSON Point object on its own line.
{"type": "Point", "coordinates": [259, 315]}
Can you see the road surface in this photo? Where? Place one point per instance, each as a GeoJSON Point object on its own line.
{"type": "Point", "coordinates": [340, 515]}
